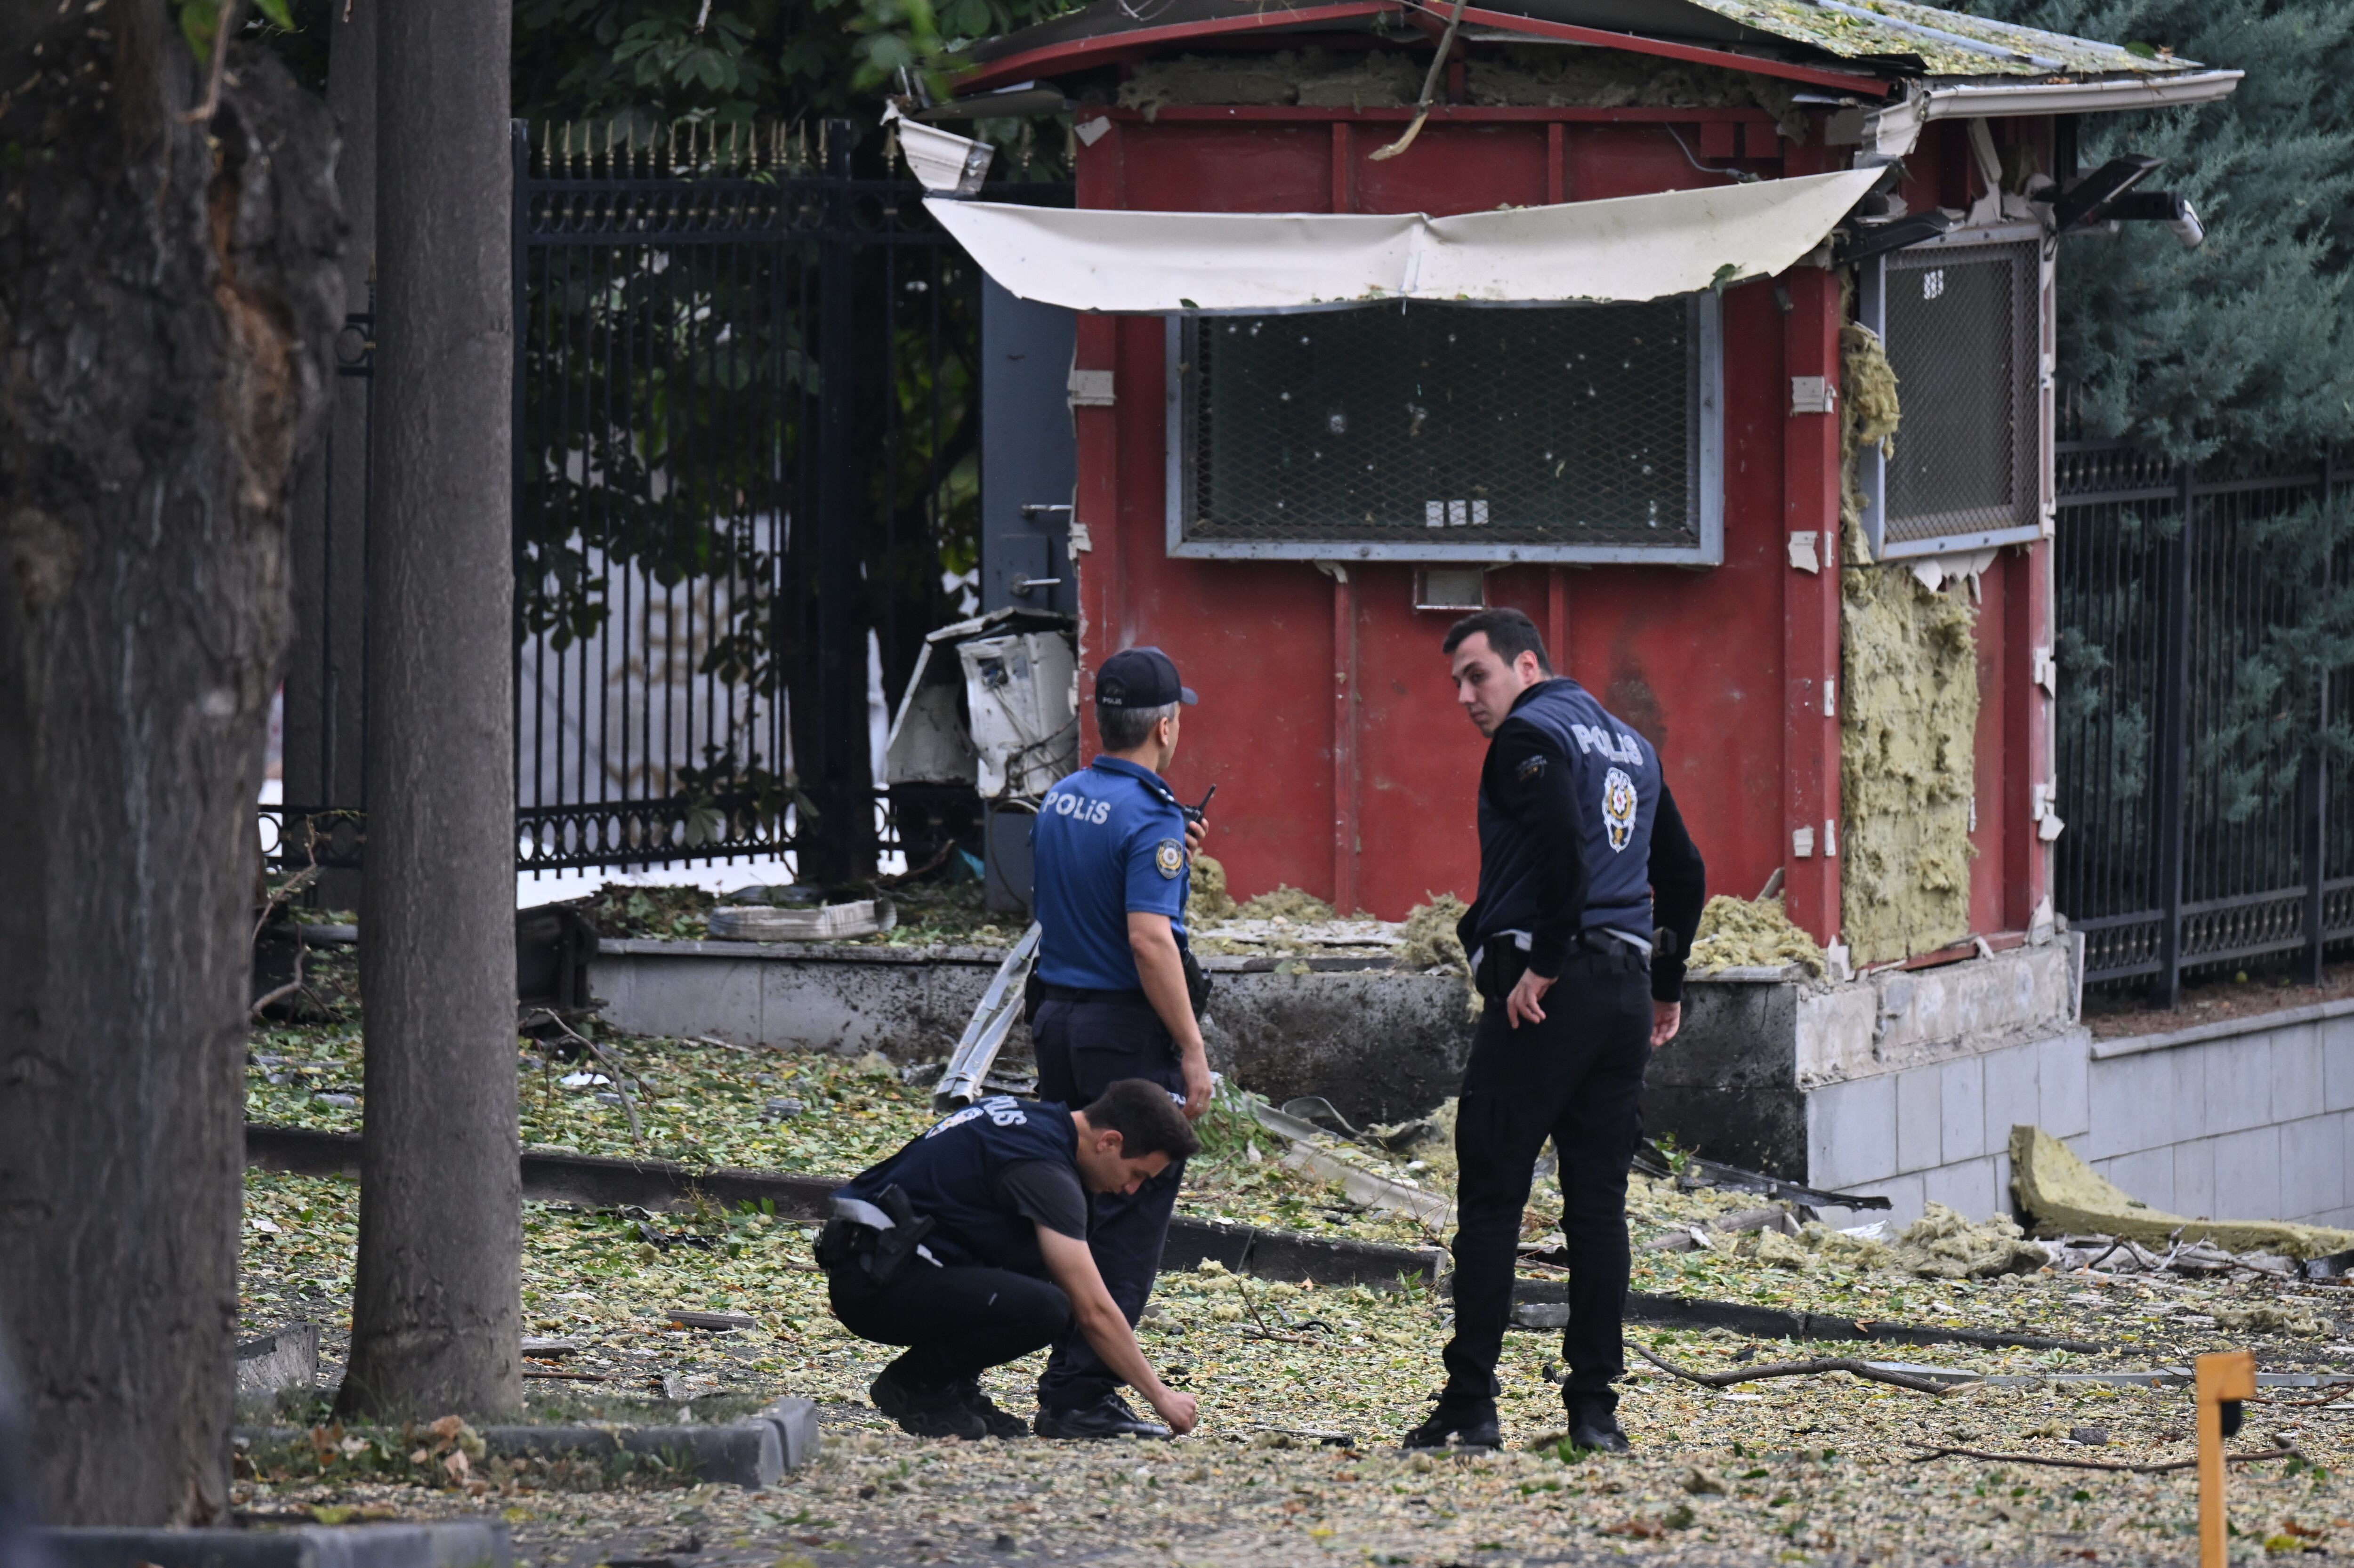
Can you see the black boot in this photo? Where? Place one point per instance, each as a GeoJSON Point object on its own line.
{"type": "Point", "coordinates": [1109, 1417]}
{"type": "Point", "coordinates": [1470, 1423]}
{"type": "Point", "coordinates": [923, 1410]}
{"type": "Point", "coordinates": [1001, 1423]}
{"type": "Point", "coordinates": [1593, 1422]}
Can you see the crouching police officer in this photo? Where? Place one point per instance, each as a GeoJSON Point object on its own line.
{"type": "Point", "coordinates": [969, 1246]}
{"type": "Point", "coordinates": [1577, 835]}
{"type": "Point", "coordinates": [1115, 995]}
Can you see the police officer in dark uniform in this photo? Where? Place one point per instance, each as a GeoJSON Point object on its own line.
{"type": "Point", "coordinates": [1582, 980]}
{"type": "Point", "coordinates": [1110, 997]}
{"type": "Point", "coordinates": [969, 1246]}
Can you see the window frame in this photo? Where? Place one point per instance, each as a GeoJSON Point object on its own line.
{"type": "Point", "coordinates": [2033, 447]}
{"type": "Point", "coordinates": [1707, 411]}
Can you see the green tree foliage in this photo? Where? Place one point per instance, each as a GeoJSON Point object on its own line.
{"type": "Point", "coordinates": [2238, 352]}
{"type": "Point", "coordinates": [639, 63]}
{"type": "Point", "coordinates": [647, 62]}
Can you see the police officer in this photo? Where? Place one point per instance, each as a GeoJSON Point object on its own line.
{"type": "Point", "coordinates": [969, 1246]}
{"type": "Point", "coordinates": [1109, 994]}
{"type": "Point", "coordinates": [1582, 981]}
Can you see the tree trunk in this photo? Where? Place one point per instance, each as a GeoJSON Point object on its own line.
{"type": "Point", "coordinates": [326, 694]}
{"type": "Point", "coordinates": [437, 1302]}
{"type": "Point", "coordinates": [167, 294]}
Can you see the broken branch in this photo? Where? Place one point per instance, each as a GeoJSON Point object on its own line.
{"type": "Point", "coordinates": [628, 1104]}
{"type": "Point", "coordinates": [2336, 1395]}
{"type": "Point", "coordinates": [1936, 1451]}
{"type": "Point", "coordinates": [1429, 90]}
{"type": "Point", "coordinates": [271, 998]}
{"type": "Point", "coordinates": [1797, 1369]}
{"type": "Point", "coordinates": [222, 21]}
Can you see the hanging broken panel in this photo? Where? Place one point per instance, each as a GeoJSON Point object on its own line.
{"type": "Point", "coordinates": [1430, 431]}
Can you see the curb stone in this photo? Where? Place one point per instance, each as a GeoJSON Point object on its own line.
{"type": "Point", "coordinates": [597, 1180]}
{"type": "Point", "coordinates": [748, 1454]}
{"type": "Point", "coordinates": [471, 1543]}
{"type": "Point", "coordinates": [753, 1453]}
{"type": "Point", "coordinates": [797, 1429]}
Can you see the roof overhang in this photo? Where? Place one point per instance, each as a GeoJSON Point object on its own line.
{"type": "Point", "coordinates": [1664, 49]}
{"type": "Point", "coordinates": [1078, 53]}
{"type": "Point", "coordinates": [1053, 55]}
{"type": "Point", "coordinates": [1894, 131]}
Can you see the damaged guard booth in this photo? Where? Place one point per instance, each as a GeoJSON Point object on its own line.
{"type": "Point", "coordinates": [1593, 330]}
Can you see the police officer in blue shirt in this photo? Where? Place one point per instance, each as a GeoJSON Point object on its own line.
{"type": "Point", "coordinates": [1582, 981]}
{"type": "Point", "coordinates": [1110, 993]}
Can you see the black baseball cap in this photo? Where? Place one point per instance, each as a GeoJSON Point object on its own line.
{"type": "Point", "coordinates": [1141, 678]}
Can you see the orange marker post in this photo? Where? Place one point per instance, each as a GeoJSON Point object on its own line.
{"type": "Point", "coordinates": [2222, 1379]}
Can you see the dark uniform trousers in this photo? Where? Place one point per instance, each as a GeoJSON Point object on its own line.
{"type": "Point", "coordinates": [1576, 1079]}
{"type": "Point", "coordinates": [956, 1323]}
{"type": "Point", "coordinates": [1085, 1047]}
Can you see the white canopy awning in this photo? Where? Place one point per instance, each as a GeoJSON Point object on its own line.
{"type": "Point", "coordinates": [1628, 248]}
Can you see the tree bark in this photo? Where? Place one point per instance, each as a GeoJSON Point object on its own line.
{"type": "Point", "coordinates": [437, 1299]}
{"type": "Point", "coordinates": [325, 692]}
{"type": "Point", "coordinates": [167, 294]}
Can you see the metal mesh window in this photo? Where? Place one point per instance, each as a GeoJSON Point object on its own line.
{"type": "Point", "coordinates": [1963, 331]}
{"type": "Point", "coordinates": [1440, 431]}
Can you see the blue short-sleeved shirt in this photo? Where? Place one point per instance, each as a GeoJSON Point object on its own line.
{"type": "Point", "coordinates": [1109, 842]}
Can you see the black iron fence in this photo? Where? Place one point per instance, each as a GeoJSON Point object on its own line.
{"type": "Point", "coordinates": [2202, 680]}
{"type": "Point", "coordinates": [746, 483]}
{"type": "Point", "coordinates": [746, 440]}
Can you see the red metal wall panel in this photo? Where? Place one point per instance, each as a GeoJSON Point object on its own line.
{"type": "Point", "coordinates": [1327, 721]}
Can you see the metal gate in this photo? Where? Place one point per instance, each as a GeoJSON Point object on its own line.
{"type": "Point", "coordinates": [745, 438]}
{"type": "Point", "coordinates": [2201, 704]}
{"type": "Point", "coordinates": [747, 484]}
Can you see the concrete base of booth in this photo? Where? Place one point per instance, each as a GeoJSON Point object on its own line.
{"type": "Point", "coordinates": [1380, 1045]}
{"type": "Point", "coordinates": [1905, 1082]}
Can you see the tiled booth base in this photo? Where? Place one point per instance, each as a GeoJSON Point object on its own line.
{"type": "Point", "coordinates": [2246, 1119]}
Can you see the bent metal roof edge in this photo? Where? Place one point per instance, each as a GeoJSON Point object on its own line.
{"type": "Point", "coordinates": [1883, 38]}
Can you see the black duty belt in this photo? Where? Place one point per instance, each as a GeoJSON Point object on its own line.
{"type": "Point", "coordinates": [1131, 998]}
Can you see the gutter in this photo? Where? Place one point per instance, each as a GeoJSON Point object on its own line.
{"type": "Point", "coordinates": [1893, 132]}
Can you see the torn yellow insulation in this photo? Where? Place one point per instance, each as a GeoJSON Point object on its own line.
{"type": "Point", "coordinates": [2068, 1198]}
{"type": "Point", "coordinates": [1208, 899]}
{"type": "Point", "coordinates": [1739, 934]}
{"type": "Point", "coordinates": [1527, 76]}
{"type": "Point", "coordinates": [1430, 939]}
{"type": "Point", "coordinates": [1353, 80]}
{"type": "Point", "coordinates": [1908, 725]}
{"type": "Point", "coordinates": [1286, 903]}
{"type": "Point", "coordinates": [1908, 707]}
{"type": "Point", "coordinates": [1551, 77]}
{"type": "Point", "coordinates": [1431, 943]}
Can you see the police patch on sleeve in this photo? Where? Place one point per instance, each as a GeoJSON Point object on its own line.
{"type": "Point", "coordinates": [1531, 766]}
{"type": "Point", "coordinates": [1618, 808]}
{"type": "Point", "coordinates": [1168, 857]}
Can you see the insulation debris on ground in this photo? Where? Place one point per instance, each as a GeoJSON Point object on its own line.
{"type": "Point", "coordinates": [1207, 898]}
{"type": "Point", "coordinates": [1940, 1244]}
{"type": "Point", "coordinates": [1428, 935]}
{"type": "Point", "coordinates": [1817, 1469]}
{"type": "Point", "coordinates": [1286, 901]}
{"type": "Point", "coordinates": [1741, 933]}
{"type": "Point", "coordinates": [2066, 1195]}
